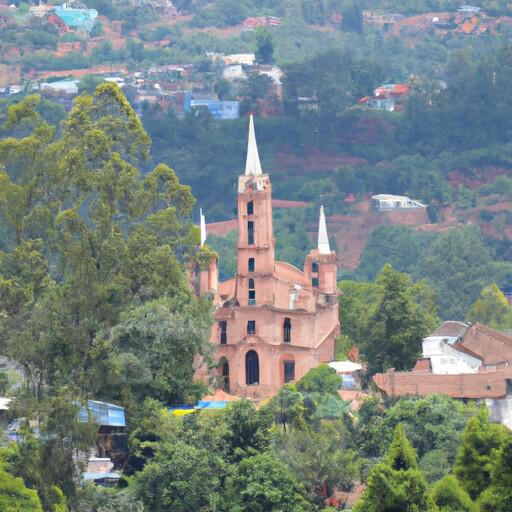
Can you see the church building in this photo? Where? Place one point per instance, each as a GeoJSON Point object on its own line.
{"type": "Point", "coordinates": [273, 322]}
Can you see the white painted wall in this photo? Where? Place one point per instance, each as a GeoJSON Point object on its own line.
{"type": "Point", "coordinates": [445, 359]}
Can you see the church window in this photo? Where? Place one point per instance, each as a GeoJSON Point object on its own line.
{"type": "Point", "coordinates": [314, 266]}
{"type": "Point", "coordinates": [250, 208]}
{"type": "Point", "coordinates": [252, 368]}
{"type": "Point", "coordinates": [287, 330]}
{"type": "Point", "coordinates": [223, 330]}
{"type": "Point", "coordinates": [251, 327]}
{"type": "Point", "coordinates": [250, 232]}
{"type": "Point", "coordinates": [289, 371]}
{"type": "Point", "coordinates": [251, 265]}
{"type": "Point", "coordinates": [252, 292]}
{"type": "Point", "coordinates": [314, 282]}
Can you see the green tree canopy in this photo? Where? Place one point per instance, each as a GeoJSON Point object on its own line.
{"type": "Point", "coordinates": [492, 309]}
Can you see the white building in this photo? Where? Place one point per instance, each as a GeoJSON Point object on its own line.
{"type": "Point", "coordinates": [392, 202]}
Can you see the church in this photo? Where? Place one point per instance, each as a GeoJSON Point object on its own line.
{"type": "Point", "coordinates": [273, 322]}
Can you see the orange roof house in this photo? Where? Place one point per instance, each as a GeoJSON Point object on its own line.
{"type": "Point", "coordinates": [462, 361]}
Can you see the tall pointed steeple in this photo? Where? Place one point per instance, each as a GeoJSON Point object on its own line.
{"type": "Point", "coordinates": [202, 224]}
{"type": "Point", "coordinates": [252, 164]}
{"type": "Point", "coordinates": [323, 239]}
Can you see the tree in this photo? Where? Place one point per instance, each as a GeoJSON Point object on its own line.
{"type": "Point", "coordinates": [321, 460]}
{"type": "Point", "coordinates": [492, 309]}
{"type": "Point", "coordinates": [352, 19]}
{"type": "Point", "coordinates": [480, 443]}
{"type": "Point", "coordinates": [322, 379]}
{"type": "Point", "coordinates": [263, 483]}
{"type": "Point", "coordinates": [449, 496]}
{"type": "Point", "coordinates": [15, 497]}
{"type": "Point", "coordinates": [498, 496]}
{"type": "Point", "coordinates": [396, 484]}
{"type": "Point", "coordinates": [180, 478]}
{"type": "Point", "coordinates": [398, 325]}
{"type": "Point", "coordinates": [264, 46]}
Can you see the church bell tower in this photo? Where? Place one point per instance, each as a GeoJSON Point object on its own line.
{"type": "Point", "coordinates": [256, 244]}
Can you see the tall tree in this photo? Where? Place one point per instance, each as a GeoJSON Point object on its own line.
{"type": "Point", "coordinates": [492, 309]}
{"type": "Point", "coordinates": [396, 484]}
{"type": "Point", "coordinates": [399, 323]}
{"type": "Point", "coordinates": [480, 443]}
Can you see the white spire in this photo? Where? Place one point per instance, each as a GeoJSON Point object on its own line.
{"type": "Point", "coordinates": [252, 164]}
{"type": "Point", "coordinates": [323, 239]}
{"type": "Point", "coordinates": [202, 223]}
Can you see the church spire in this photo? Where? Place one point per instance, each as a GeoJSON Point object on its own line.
{"type": "Point", "coordinates": [252, 164]}
{"type": "Point", "coordinates": [202, 224]}
{"type": "Point", "coordinates": [323, 239]}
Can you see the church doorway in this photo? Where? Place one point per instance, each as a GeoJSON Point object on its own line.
{"type": "Point", "coordinates": [252, 368]}
{"type": "Point", "coordinates": [223, 374]}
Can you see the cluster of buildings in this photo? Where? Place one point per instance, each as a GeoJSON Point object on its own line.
{"type": "Point", "coordinates": [463, 361]}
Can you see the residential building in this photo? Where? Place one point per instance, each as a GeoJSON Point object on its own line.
{"type": "Point", "coordinates": [273, 322]}
{"type": "Point", "coordinates": [462, 361]}
{"type": "Point", "coordinates": [392, 202]}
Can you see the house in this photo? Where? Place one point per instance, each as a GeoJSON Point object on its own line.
{"type": "Point", "coordinates": [247, 59]}
{"type": "Point", "coordinates": [462, 361]}
{"type": "Point", "coordinates": [391, 202]}
{"type": "Point", "coordinates": [273, 322]}
{"type": "Point", "coordinates": [76, 19]}
{"type": "Point", "coordinates": [112, 442]}
{"type": "Point", "coordinates": [261, 21]}
{"type": "Point", "coordinates": [218, 109]}
{"type": "Point", "coordinates": [469, 9]}
{"type": "Point", "coordinates": [233, 72]}
{"type": "Point", "coordinates": [66, 87]}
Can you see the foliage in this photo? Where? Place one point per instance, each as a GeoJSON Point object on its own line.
{"type": "Point", "coordinates": [15, 497]}
{"type": "Point", "coordinates": [322, 379]}
{"type": "Point", "coordinates": [398, 323]}
{"type": "Point", "coordinates": [480, 442]}
{"type": "Point", "coordinates": [449, 496]}
{"type": "Point", "coordinates": [492, 309]}
{"type": "Point", "coordinates": [397, 483]}
{"type": "Point", "coordinates": [498, 497]}
{"type": "Point", "coordinates": [262, 483]}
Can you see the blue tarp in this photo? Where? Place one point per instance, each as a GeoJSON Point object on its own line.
{"type": "Point", "coordinates": [104, 414]}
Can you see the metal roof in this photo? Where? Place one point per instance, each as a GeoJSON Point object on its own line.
{"type": "Point", "coordinates": [103, 413]}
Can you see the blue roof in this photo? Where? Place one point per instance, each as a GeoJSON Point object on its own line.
{"type": "Point", "coordinates": [90, 477]}
{"type": "Point", "coordinates": [77, 18]}
{"type": "Point", "coordinates": [218, 109]}
{"type": "Point", "coordinates": [103, 413]}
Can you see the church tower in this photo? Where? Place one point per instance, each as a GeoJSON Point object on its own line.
{"type": "Point", "coordinates": [256, 244]}
{"type": "Point", "coordinates": [206, 264]}
{"type": "Point", "coordinates": [320, 264]}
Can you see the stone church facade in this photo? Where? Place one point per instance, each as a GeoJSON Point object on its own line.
{"type": "Point", "coordinates": [273, 322]}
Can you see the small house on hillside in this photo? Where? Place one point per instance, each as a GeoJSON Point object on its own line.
{"type": "Point", "coordinates": [391, 202]}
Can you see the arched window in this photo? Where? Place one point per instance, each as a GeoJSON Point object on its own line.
{"type": "Point", "coordinates": [250, 232]}
{"type": "Point", "coordinates": [223, 332]}
{"type": "Point", "coordinates": [289, 371]}
{"type": "Point", "coordinates": [223, 374]}
{"type": "Point", "coordinates": [250, 265]}
{"type": "Point", "coordinates": [252, 368]}
{"type": "Point", "coordinates": [314, 266]}
{"type": "Point", "coordinates": [252, 292]}
{"type": "Point", "coordinates": [250, 208]}
{"type": "Point", "coordinates": [287, 330]}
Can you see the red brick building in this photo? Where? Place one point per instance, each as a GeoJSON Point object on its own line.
{"type": "Point", "coordinates": [273, 322]}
